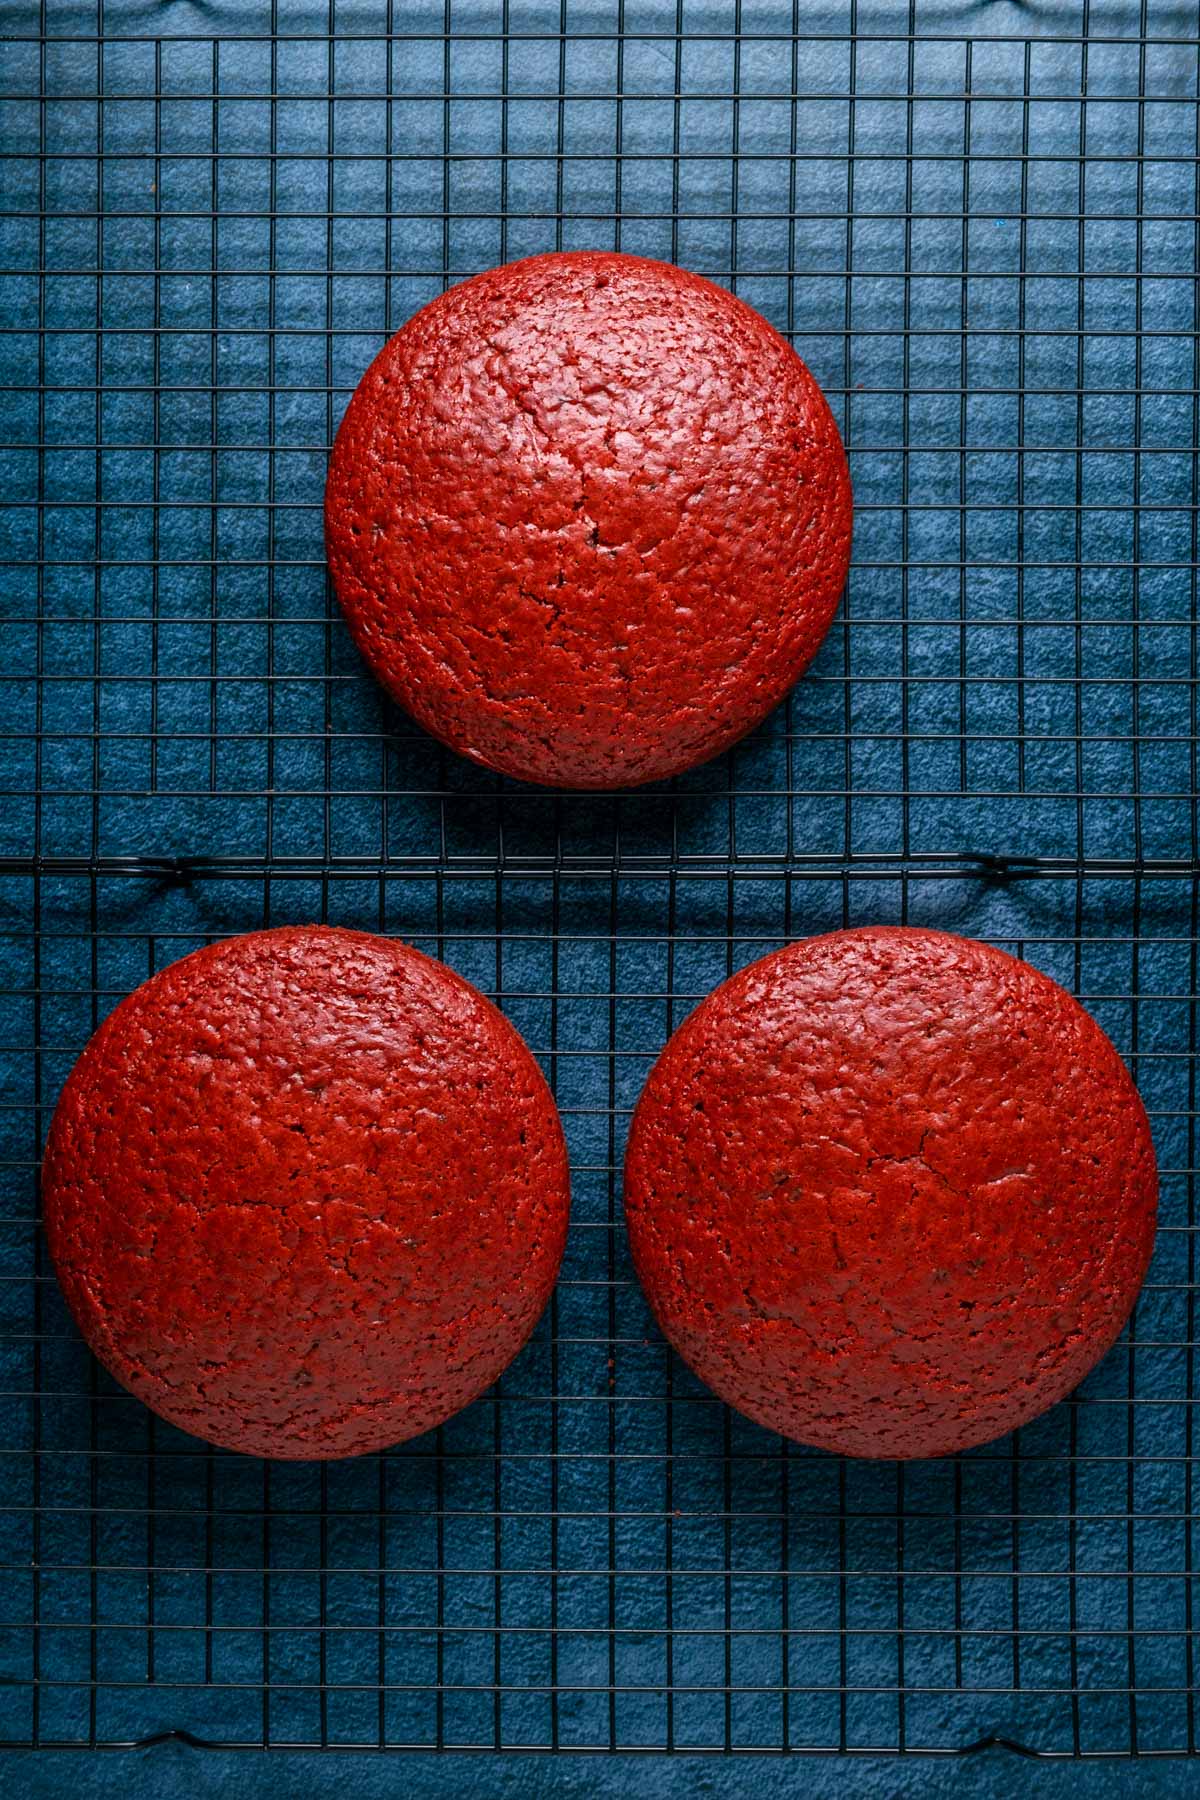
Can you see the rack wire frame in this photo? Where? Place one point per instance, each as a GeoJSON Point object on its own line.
{"type": "Point", "coordinates": [979, 226]}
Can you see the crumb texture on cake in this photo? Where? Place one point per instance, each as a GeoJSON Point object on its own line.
{"type": "Point", "coordinates": [306, 1192]}
{"type": "Point", "coordinates": [890, 1192]}
{"type": "Point", "coordinates": [588, 517]}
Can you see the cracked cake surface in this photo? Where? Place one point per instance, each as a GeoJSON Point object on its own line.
{"type": "Point", "coordinates": [306, 1192]}
{"type": "Point", "coordinates": [588, 517]}
{"type": "Point", "coordinates": [890, 1192]}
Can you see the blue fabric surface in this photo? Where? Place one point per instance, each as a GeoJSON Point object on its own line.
{"type": "Point", "coordinates": [598, 1553]}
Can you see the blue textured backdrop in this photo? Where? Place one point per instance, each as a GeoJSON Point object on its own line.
{"type": "Point", "coordinates": [213, 217]}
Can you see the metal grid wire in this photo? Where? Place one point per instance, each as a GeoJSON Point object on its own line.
{"type": "Point", "coordinates": [977, 222]}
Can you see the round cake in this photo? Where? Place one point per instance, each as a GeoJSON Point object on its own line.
{"type": "Point", "coordinates": [588, 517]}
{"type": "Point", "coordinates": [890, 1192]}
{"type": "Point", "coordinates": [306, 1193]}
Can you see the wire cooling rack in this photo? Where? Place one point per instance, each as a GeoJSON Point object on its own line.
{"type": "Point", "coordinates": [977, 222]}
